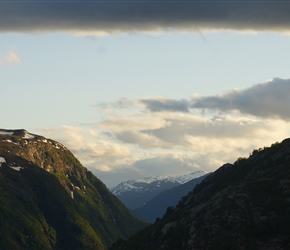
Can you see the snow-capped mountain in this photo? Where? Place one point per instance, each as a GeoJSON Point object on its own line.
{"type": "Point", "coordinates": [135, 193]}
{"type": "Point", "coordinates": [157, 206]}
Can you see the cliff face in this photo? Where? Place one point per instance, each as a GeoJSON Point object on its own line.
{"type": "Point", "coordinates": [48, 200]}
{"type": "Point", "coordinates": [245, 205]}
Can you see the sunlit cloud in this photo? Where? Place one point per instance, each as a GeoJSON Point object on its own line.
{"type": "Point", "coordinates": [138, 121]}
{"type": "Point", "coordinates": [141, 139]}
{"type": "Point", "coordinates": [159, 136]}
{"type": "Point", "coordinates": [10, 58]}
{"type": "Point", "coordinates": [91, 151]}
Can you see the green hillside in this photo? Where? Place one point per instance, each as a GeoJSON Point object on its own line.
{"type": "Point", "coordinates": [48, 200]}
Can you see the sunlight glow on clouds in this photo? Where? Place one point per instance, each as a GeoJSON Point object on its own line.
{"type": "Point", "coordinates": [171, 140]}
{"type": "Point", "coordinates": [87, 148]}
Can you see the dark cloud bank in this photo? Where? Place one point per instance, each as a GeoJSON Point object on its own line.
{"type": "Point", "coordinates": [270, 99]}
{"type": "Point", "coordinates": [267, 100]}
{"type": "Point", "coordinates": [133, 16]}
{"type": "Point", "coordinates": [156, 105]}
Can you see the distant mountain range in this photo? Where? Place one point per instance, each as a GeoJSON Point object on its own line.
{"type": "Point", "coordinates": [157, 206]}
{"type": "Point", "coordinates": [48, 200]}
{"type": "Point", "coordinates": [136, 193]}
{"type": "Point", "coordinates": [245, 205]}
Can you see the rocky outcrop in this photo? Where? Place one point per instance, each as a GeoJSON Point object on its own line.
{"type": "Point", "coordinates": [48, 200]}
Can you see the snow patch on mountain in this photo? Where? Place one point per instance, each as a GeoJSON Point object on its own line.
{"type": "Point", "coordinates": [2, 160]}
{"type": "Point", "coordinates": [5, 133]}
{"type": "Point", "coordinates": [141, 184]}
{"type": "Point", "coordinates": [28, 136]}
{"type": "Point", "coordinates": [23, 136]}
{"type": "Point", "coordinates": [188, 177]}
{"type": "Point", "coordinates": [16, 168]}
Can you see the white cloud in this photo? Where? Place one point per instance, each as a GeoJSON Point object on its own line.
{"type": "Point", "coordinates": [179, 126]}
{"type": "Point", "coordinates": [10, 58]}
{"type": "Point", "coordinates": [91, 151]}
{"type": "Point", "coordinates": [141, 139]}
{"type": "Point", "coordinates": [135, 121]}
{"type": "Point", "coordinates": [166, 164]}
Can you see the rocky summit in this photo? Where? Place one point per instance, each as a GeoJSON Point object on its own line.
{"type": "Point", "coordinates": [245, 205]}
{"type": "Point", "coordinates": [48, 200]}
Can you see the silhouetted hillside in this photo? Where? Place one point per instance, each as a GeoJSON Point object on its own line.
{"type": "Point", "coordinates": [245, 205]}
{"type": "Point", "coordinates": [156, 207]}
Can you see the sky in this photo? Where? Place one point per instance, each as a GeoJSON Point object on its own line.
{"type": "Point", "coordinates": [143, 88]}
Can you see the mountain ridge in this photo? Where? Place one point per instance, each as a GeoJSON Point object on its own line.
{"type": "Point", "coordinates": [136, 193]}
{"type": "Point", "coordinates": [244, 205]}
{"type": "Point", "coordinates": [156, 207]}
{"type": "Point", "coordinates": [48, 200]}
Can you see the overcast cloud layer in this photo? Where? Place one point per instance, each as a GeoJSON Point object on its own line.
{"type": "Point", "coordinates": [84, 17]}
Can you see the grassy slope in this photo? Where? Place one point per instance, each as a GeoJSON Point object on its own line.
{"type": "Point", "coordinates": [36, 206]}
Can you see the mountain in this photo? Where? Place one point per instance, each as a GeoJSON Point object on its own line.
{"type": "Point", "coordinates": [245, 205]}
{"type": "Point", "coordinates": [48, 200]}
{"type": "Point", "coordinates": [156, 207]}
{"type": "Point", "coordinates": [136, 193]}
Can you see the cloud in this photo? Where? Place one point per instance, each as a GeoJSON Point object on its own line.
{"type": "Point", "coordinates": [92, 150]}
{"type": "Point", "coordinates": [121, 103]}
{"type": "Point", "coordinates": [165, 104]}
{"type": "Point", "coordinates": [195, 133]}
{"type": "Point", "coordinates": [181, 128]}
{"type": "Point", "coordinates": [10, 58]}
{"type": "Point", "coordinates": [89, 17]}
{"type": "Point", "coordinates": [132, 140]}
{"type": "Point", "coordinates": [144, 140]}
{"type": "Point", "coordinates": [174, 164]}
{"type": "Point", "coordinates": [136, 121]}
{"type": "Point", "coordinates": [267, 100]}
